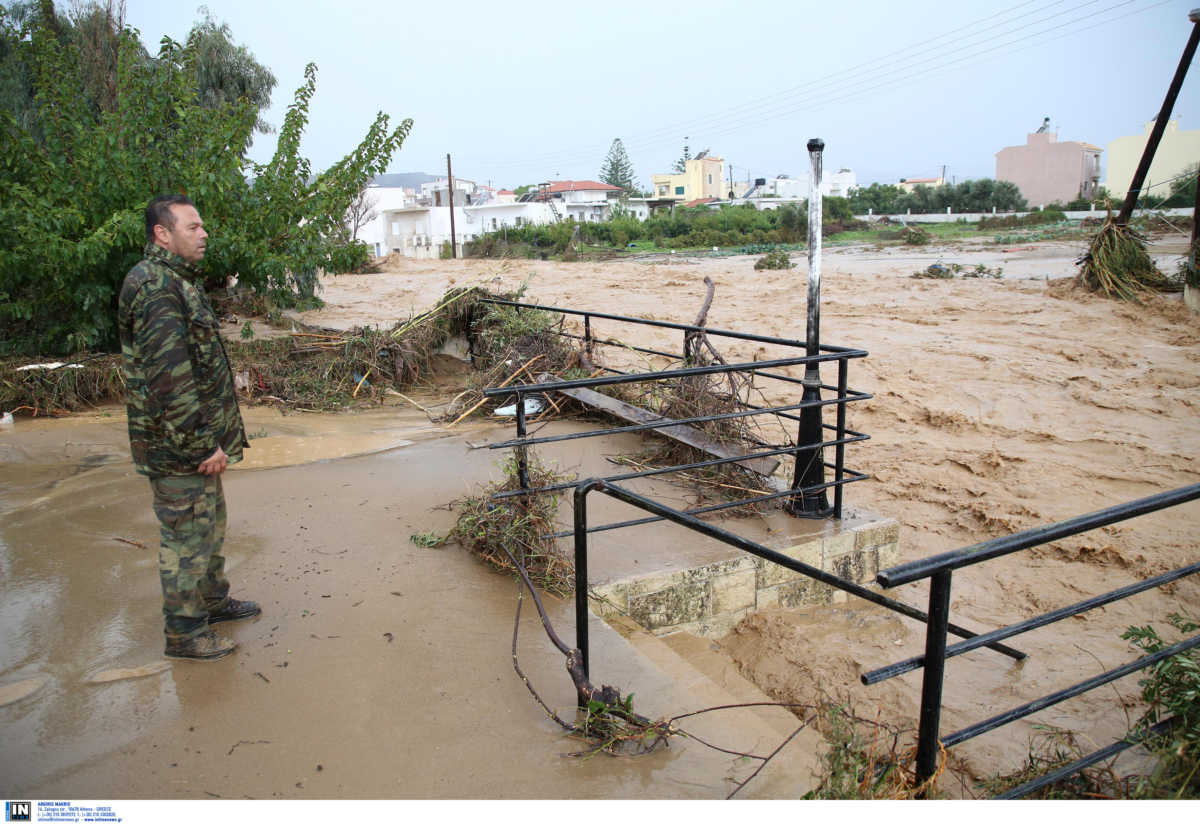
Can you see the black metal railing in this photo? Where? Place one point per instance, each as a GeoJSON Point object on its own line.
{"type": "Point", "coordinates": [664, 512]}
{"type": "Point", "coordinates": [938, 569]}
{"type": "Point", "coordinates": [808, 452]}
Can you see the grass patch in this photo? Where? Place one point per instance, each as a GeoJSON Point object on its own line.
{"type": "Point", "coordinates": [864, 759]}
{"type": "Point", "coordinates": [1066, 230]}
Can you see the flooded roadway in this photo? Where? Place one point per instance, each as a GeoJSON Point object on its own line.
{"type": "Point", "coordinates": [379, 669]}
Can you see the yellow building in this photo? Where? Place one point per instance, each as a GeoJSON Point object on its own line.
{"type": "Point", "coordinates": [1176, 151]}
{"type": "Point", "coordinates": [703, 177]}
{"type": "Point", "coordinates": [908, 184]}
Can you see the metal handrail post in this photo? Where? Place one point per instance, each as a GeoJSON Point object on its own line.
{"type": "Point", "coordinates": [587, 337]}
{"type": "Point", "coordinates": [581, 595]}
{"type": "Point", "coordinates": [936, 627]}
{"type": "Point", "coordinates": [840, 450]}
{"type": "Point", "coordinates": [522, 458]}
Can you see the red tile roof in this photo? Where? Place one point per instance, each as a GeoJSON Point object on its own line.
{"type": "Point", "coordinates": [580, 186]}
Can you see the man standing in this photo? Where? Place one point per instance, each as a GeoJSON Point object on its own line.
{"type": "Point", "coordinates": [184, 424]}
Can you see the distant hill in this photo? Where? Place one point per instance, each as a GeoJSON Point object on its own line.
{"type": "Point", "coordinates": [410, 180]}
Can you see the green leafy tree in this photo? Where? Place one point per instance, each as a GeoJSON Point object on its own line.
{"type": "Point", "coordinates": [73, 189]}
{"type": "Point", "coordinates": [879, 198]}
{"type": "Point", "coordinates": [1183, 188]}
{"type": "Point", "coordinates": [227, 72]}
{"type": "Point", "coordinates": [617, 169]}
{"type": "Point", "coordinates": [836, 208]}
{"type": "Point", "coordinates": [968, 196]}
{"type": "Point", "coordinates": [681, 164]}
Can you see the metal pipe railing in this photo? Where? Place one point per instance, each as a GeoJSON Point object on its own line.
{"type": "Point", "coordinates": [670, 374]}
{"type": "Point", "coordinates": [854, 437]}
{"type": "Point", "coordinates": [997, 547]}
{"type": "Point", "coordinates": [1045, 619]}
{"type": "Point", "coordinates": [939, 569]}
{"type": "Point", "coordinates": [705, 510]}
{"type": "Point", "coordinates": [669, 422]}
{"type": "Point", "coordinates": [683, 327]}
{"type": "Point", "coordinates": [999, 720]}
{"type": "Point", "coordinates": [758, 550]}
{"type": "Point", "coordinates": [811, 468]}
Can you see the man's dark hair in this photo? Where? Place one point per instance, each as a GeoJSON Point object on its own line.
{"type": "Point", "coordinates": [158, 212]}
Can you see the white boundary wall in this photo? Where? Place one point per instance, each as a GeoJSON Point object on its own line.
{"type": "Point", "coordinates": [974, 217]}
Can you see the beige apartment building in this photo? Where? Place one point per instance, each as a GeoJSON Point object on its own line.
{"type": "Point", "coordinates": [1047, 171]}
{"type": "Point", "coordinates": [702, 177]}
{"type": "Point", "coordinates": [1175, 153]}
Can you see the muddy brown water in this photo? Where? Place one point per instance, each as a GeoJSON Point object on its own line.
{"type": "Point", "coordinates": [998, 405]}
{"type": "Point", "coordinates": [379, 669]}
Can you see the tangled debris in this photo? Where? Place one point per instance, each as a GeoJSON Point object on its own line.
{"type": "Point", "coordinates": [517, 528]}
{"type": "Point", "coordinates": [1118, 265]}
{"type": "Point", "coordinates": [718, 397]}
{"type": "Point", "coordinates": [38, 389]}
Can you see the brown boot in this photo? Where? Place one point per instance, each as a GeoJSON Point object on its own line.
{"type": "Point", "coordinates": [206, 646]}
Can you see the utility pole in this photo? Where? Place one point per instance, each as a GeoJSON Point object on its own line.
{"type": "Point", "coordinates": [450, 191]}
{"type": "Point", "coordinates": [1160, 123]}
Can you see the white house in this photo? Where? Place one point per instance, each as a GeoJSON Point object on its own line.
{"type": "Point", "coordinates": [839, 184]}
{"type": "Point", "coordinates": [383, 199]}
{"type": "Point", "coordinates": [419, 231]}
{"type": "Point", "coordinates": [794, 189]}
{"type": "Point", "coordinates": [437, 192]}
{"type": "Point", "coordinates": [787, 187]}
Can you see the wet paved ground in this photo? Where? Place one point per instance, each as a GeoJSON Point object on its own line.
{"type": "Point", "coordinates": [379, 669]}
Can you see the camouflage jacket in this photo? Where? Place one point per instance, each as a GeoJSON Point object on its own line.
{"type": "Point", "coordinates": [178, 384]}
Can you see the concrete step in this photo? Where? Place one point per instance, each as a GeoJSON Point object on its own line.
{"type": "Point", "coordinates": [708, 678]}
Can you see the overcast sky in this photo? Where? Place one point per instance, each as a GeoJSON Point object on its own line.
{"type": "Point", "coordinates": [521, 92]}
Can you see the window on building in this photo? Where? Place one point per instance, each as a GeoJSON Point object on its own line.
{"type": "Point", "coordinates": [710, 180]}
{"type": "Point", "coordinates": [678, 190]}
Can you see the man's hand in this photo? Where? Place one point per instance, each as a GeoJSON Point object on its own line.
{"type": "Point", "coordinates": [214, 464]}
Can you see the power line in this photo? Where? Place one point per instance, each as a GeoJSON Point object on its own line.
{"type": "Point", "coordinates": [640, 140]}
{"type": "Point", "coordinates": [842, 95]}
{"type": "Point", "coordinates": [840, 91]}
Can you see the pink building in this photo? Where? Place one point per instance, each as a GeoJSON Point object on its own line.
{"type": "Point", "coordinates": [1047, 171]}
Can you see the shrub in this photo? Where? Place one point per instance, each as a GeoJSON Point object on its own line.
{"type": "Point", "coordinates": [916, 236]}
{"type": "Point", "coordinates": [775, 259]}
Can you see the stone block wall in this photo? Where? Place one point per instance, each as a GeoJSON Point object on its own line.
{"type": "Point", "coordinates": [711, 599]}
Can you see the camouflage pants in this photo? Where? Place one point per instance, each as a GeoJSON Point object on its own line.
{"type": "Point", "coordinates": [191, 514]}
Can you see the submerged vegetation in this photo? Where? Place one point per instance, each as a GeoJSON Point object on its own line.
{"type": "Point", "coordinates": [1171, 692]}
{"type": "Point", "coordinates": [517, 529]}
{"type": "Point", "coordinates": [1118, 265]}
